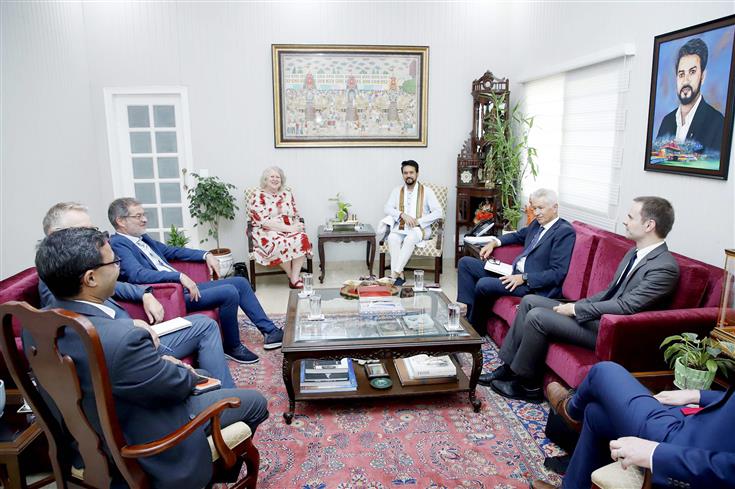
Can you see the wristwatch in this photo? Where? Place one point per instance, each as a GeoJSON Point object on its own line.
{"type": "Point", "coordinates": [148, 290]}
{"type": "Point", "coordinates": [525, 277]}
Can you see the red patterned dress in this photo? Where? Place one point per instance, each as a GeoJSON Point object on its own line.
{"type": "Point", "coordinates": [273, 247]}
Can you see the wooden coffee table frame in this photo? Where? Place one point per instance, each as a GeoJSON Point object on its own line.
{"type": "Point", "coordinates": [367, 233]}
{"type": "Point", "coordinates": [384, 348]}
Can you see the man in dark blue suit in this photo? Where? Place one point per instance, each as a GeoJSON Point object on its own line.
{"type": "Point", "coordinates": [621, 420]}
{"type": "Point", "coordinates": [540, 269]}
{"type": "Point", "coordinates": [145, 261]}
{"type": "Point", "coordinates": [152, 393]}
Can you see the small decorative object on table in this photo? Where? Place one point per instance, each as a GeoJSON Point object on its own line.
{"type": "Point", "coordinates": [375, 370]}
{"type": "Point", "coordinates": [695, 362]}
{"type": "Point", "coordinates": [406, 291]}
{"type": "Point", "coordinates": [381, 383]}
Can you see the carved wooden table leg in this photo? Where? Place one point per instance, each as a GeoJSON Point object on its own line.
{"type": "Point", "coordinates": [322, 264]}
{"type": "Point", "coordinates": [371, 254]}
{"type": "Point", "coordinates": [287, 380]}
{"type": "Point", "coordinates": [474, 377]}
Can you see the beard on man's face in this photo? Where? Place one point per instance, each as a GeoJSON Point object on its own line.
{"type": "Point", "coordinates": [688, 99]}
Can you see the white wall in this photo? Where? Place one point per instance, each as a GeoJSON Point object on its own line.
{"type": "Point", "coordinates": [221, 52]}
{"type": "Point", "coordinates": [57, 58]}
{"type": "Point", "coordinates": [549, 34]}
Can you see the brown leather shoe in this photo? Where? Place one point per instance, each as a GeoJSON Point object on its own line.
{"type": "Point", "coordinates": [539, 484]}
{"type": "Point", "coordinates": [558, 397]}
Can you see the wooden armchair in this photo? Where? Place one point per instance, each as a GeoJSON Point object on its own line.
{"type": "Point", "coordinates": [107, 453]}
{"type": "Point", "coordinates": [434, 247]}
{"type": "Point", "coordinates": [249, 235]}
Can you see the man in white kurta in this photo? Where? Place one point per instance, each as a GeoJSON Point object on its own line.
{"type": "Point", "coordinates": [410, 211]}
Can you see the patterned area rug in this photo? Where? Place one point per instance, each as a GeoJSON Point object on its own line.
{"type": "Point", "coordinates": [425, 442]}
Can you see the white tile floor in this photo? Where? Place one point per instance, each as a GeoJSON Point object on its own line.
{"type": "Point", "coordinates": [273, 291]}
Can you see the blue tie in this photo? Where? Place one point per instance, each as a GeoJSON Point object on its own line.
{"type": "Point", "coordinates": [530, 246]}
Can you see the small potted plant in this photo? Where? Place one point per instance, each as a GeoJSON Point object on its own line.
{"type": "Point", "coordinates": [177, 237]}
{"type": "Point", "coordinates": [210, 201]}
{"type": "Point", "coordinates": [343, 208]}
{"type": "Point", "coordinates": [695, 362]}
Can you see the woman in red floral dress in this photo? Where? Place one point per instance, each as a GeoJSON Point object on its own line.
{"type": "Point", "coordinates": [278, 233]}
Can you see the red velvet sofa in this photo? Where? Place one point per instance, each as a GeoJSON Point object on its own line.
{"type": "Point", "coordinates": [23, 286]}
{"type": "Point", "coordinates": [632, 341]}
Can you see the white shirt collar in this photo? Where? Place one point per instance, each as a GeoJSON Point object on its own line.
{"type": "Point", "coordinates": [682, 128]}
{"type": "Point", "coordinates": [107, 310]}
{"type": "Point", "coordinates": [644, 251]}
{"type": "Point", "coordinates": [548, 225]}
{"type": "Point", "coordinates": [132, 238]}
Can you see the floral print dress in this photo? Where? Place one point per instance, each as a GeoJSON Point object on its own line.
{"type": "Point", "coordinates": [272, 247]}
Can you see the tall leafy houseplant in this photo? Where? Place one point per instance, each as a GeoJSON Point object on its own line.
{"type": "Point", "coordinates": [508, 155]}
{"type": "Point", "coordinates": [210, 201]}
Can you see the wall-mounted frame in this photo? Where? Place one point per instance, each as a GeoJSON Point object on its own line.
{"type": "Point", "coordinates": [344, 95]}
{"type": "Point", "coordinates": [693, 70]}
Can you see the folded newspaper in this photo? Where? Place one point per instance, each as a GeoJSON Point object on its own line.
{"type": "Point", "coordinates": [170, 326]}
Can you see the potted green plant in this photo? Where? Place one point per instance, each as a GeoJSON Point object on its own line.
{"type": "Point", "coordinates": [508, 156]}
{"type": "Point", "coordinates": [177, 237]}
{"type": "Point", "coordinates": [210, 201]}
{"type": "Point", "coordinates": [695, 362]}
{"type": "Point", "coordinates": [343, 208]}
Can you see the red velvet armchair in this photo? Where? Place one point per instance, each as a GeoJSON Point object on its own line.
{"type": "Point", "coordinates": [632, 341]}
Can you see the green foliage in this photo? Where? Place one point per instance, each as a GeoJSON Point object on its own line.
{"type": "Point", "coordinates": [342, 208]}
{"type": "Point", "coordinates": [695, 353]}
{"type": "Point", "coordinates": [508, 155]}
{"type": "Point", "coordinates": [210, 201]}
{"type": "Point", "coordinates": [409, 86]}
{"type": "Point", "coordinates": [177, 238]}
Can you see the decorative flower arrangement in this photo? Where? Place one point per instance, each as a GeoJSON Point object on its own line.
{"type": "Point", "coordinates": [485, 211]}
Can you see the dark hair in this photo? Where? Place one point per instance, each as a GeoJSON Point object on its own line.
{"type": "Point", "coordinates": [410, 163]}
{"type": "Point", "coordinates": [693, 46]}
{"type": "Point", "coordinates": [64, 256]}
{"type": "Point", "coordinates": [658, 210]}
{"type": "Point", "coordinates": [119, 208]}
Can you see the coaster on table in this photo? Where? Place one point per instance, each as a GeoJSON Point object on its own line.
{"type": "Point", "coordinates": [320, 317]}
{"type": "Point", "coordinates": [304, 295]}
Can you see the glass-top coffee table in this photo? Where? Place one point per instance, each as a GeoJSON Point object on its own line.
{"type": "Point", "coordinates": [343, 333]}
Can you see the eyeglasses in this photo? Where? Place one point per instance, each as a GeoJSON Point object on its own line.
{"type": "Point", "coordinates": [115, 262]}
{"type": "Point", "coordinates": [137, 217]}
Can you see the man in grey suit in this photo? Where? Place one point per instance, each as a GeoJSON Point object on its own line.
{"type": "Point", "coordinates": [152, 393]}
{"type": "Point", "coordinates": [644, 280]}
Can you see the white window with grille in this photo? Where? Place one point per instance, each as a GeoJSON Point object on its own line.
{"type": "Point", "coordinates": [579, 122]}
{"type": "Point", "coordinates": [148, 135]}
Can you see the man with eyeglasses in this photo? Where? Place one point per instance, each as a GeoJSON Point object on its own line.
{"type": "Point", "coordinates": [152, 392]}
{"type": "Point", "coordinates": [201, 338]}
{"type": "Point", "coordinates": [146, 261]}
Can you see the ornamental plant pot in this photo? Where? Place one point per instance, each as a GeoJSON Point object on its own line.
{"type": "Point", "coordinates": [689, 378]}
{"type": "Point", "coordinates": [224, 256]}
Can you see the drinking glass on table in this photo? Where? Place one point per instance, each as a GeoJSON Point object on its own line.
{"type": "Point", "coordinates": [308, 280]}
{"type": "Point", "coordinates": [315, 306]}
{"type": "Point", "coordinates": [418, 279]}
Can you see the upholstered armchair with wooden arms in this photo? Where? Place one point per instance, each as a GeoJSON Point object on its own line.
{"type": "Point", "coordinates": [434, 247]}
{"type": "Point", "coordinates": [614, 476]}
{"type": "Point", "coordinates": [259, 272]}
{"type": "Point", "coordinates": [58, 375]}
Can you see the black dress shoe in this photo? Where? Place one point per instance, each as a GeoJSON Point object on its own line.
{"type": "Point", "coordinates": [501, 373]}
{"type": "Point", "coordinates": [514, 389]}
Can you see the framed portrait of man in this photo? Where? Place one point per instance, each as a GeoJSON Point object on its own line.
{"type": "Point", "coordinates": [690, 114]}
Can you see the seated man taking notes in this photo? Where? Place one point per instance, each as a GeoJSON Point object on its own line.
{"type": "Point", "coordinates": [539, 269]}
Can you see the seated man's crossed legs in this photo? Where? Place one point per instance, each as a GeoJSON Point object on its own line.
{"type": "Point", "coordinates": [227, 295]}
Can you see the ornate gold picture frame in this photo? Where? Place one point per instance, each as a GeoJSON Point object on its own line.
{"type": "Point", "coordinates": [344, 95]}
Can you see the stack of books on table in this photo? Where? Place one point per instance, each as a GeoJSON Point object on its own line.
{"type": "Point", "coordinates": [376, 301]}
{"type": "Point", "coordinates": [423, 369]}
{"type": "Point", "coordinates": [322, 376]}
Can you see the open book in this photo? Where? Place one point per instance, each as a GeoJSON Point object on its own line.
{"type": "Point", "coordinates": [171, 326]}
{"type": "Point", "coordinates": [498, 267]}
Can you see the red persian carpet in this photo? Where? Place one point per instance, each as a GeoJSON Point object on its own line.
{"type": "Point", "coordinates": [427, 442]}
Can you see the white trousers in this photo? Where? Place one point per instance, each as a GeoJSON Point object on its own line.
{"type": "Point", "coordinates": [401, 248]}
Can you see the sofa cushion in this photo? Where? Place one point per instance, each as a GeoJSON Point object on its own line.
{"type": "Point", "coordinates": [506, 307]}
{"type": "Point", "coordinates": [577, 279]}
{"type": "Point", "coordinates": [692, 285]}
{"type": "Point", "coordinates": [570, 362]}
{"type": "Point", "coordinates": [608, 255]}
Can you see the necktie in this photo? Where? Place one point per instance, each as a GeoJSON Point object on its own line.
{"type": "Point", "coordinates": [611, 293]}
{"type": "Point", "coordinates": [158, 262]}
{"type": "Point", "coordinates": [530, 247]}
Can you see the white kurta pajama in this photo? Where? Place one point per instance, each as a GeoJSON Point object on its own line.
{"type": "Point", "coordinates": [420, 203]}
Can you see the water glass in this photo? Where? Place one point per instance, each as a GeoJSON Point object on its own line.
{"type": "Point", "coordinates": [328, 227]}
{"type": "Point", "coordinates": [308, 280]}
{"type": "Point", "coordinates": [315, 306]}
{"type": "Point", "coordinates": [418, 279]}
{"type": "Point", "coordinates": [454, 313]}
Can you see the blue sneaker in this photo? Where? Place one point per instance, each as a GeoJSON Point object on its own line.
{"type": "Point", "coordinates": [240, 354]}
{"type": "Point", "coordinates": [273, 340]}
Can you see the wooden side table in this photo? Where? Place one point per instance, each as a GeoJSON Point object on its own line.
{"type": "Point", "coordinates": [366, 233]}
{"type": "Point", "coordinates": [21, 441]}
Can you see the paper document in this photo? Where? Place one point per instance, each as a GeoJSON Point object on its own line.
{"type": "Point", "coordinates": [499, 267]}
{"type": "Point", "coordinates": [170, 326]}
{"type": "Point", "coordinates": [478, 239]}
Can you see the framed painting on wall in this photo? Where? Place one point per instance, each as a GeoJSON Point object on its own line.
{"type": "Point", "coordinates": [690, 114]}
{"type": "Point", "coordinates": [344, 95]}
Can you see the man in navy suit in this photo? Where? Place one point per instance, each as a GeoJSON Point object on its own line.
{"type": "Point", "coordinates": [152, 393]}
{"type": "Point", "coordinates": [201, 338]}
{"type": "Point", "coordinates": [694, 120]}
{"type": "Point", "coordinates": [540, 269]}
{"type": "Point", "coordinates": [644, 280]}
{"type": "Point", "coordinates": [145, 261]}
{"type": "Point", "coordinates": [620, 420]}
